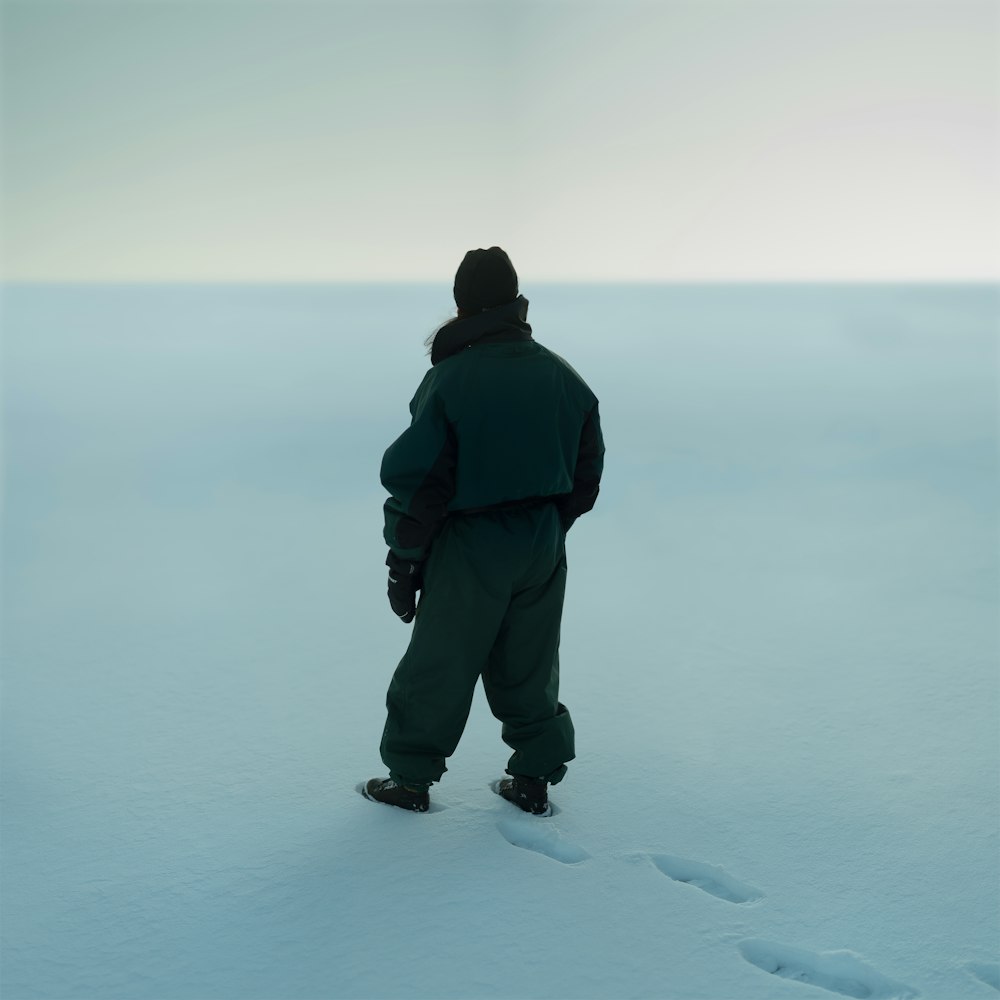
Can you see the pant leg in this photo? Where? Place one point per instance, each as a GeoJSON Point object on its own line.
{"type": "Point", "coordinates": [521, 678]}
{"type": "Point", "coordinates": [462, 606]}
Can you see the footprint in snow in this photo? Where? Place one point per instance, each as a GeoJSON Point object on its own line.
{"type": "Point", "coordinates": [709, 878]}
{"type": "Point", "coordinates": [540, 837]}
{"type": "Point", "coordinates": [837, 971]}
{"type": "Point", "coordinates": [986, 972]}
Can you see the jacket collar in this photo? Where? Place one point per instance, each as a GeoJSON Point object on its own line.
{"type": "Point", "coordinates": [504, 323]}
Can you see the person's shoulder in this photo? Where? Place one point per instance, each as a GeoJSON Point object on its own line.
{"type": "Point", "coordinates": [440, 377]}
{"type": "Point", "coordinates": [430, 386]}
{"type": "Point", "coordinates": [563, 364]}
{"type": "Point", "coordinates": [445, 370]}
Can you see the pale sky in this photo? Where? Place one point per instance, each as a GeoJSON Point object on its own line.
{"type": "Point", "coordinates": [228, 140]}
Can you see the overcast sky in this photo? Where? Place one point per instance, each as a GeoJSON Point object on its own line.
{"type": "Point", "coordinates": [323, 141]}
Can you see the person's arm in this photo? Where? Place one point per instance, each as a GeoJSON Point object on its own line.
{"type": "Point", "coordinates": [418, 470]}
{"type": "Point", "coordinates": [588, 471]}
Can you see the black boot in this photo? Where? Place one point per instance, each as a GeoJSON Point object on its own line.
{"type": "Point", "coordinates": [405, 796]}
{"type": "Point", "coordinates": [529, 794]}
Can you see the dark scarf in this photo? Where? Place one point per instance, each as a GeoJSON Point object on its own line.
{"type": "Point", "coordinates": [500, 325]}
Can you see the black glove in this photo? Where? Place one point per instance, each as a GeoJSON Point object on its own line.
{"type": "Point", "coordinates": [405, 579]}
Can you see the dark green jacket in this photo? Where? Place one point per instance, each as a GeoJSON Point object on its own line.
{"type": "Point", "coordinates": [497, 419]}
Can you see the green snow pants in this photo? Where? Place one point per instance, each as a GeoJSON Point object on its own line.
{"type": "Point", "coordinates": [491, 607]}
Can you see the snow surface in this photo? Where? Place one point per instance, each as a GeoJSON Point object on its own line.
{"type": "Point", "coordinates": [779, 648]}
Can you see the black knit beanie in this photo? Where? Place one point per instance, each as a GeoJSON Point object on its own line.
{"type": "Point", "coordinates": [485, 278]}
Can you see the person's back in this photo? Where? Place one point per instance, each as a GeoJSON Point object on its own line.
{"type": "Point", "coordinates": [503, 453]}
{"type": "Point", "coordinates": [519, 412]}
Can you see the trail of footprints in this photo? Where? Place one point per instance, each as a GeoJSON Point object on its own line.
{"type": "Point", "coordinates": [839, 972]}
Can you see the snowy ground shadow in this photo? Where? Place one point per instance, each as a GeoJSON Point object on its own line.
{"type": "Point", "coordinates": [712, 879]}
{"type": "Point", "coordinates": [837, 971]}
{"type": "Point", "coordinates": [534, 834]}
{"type": "Point", "coordinates": [986, 972]}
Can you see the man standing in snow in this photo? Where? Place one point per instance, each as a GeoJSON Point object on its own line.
{"type": "Point", "coordinates": [504, 452]}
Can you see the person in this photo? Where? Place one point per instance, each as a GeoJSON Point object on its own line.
{"type": "Point", "coordinates": [503, 453]}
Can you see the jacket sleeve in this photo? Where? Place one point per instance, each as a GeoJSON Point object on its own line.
{"type": "Point", "coordinates": [418, 470]}
{"type": "Point", "coordinates": [588, 471]}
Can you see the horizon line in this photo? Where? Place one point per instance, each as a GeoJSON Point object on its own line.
{"type": "Point", "coordinates": [428, 283]}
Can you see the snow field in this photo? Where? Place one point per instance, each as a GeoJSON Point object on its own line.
{"type": "Point", "coordinates": [779, 650]}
